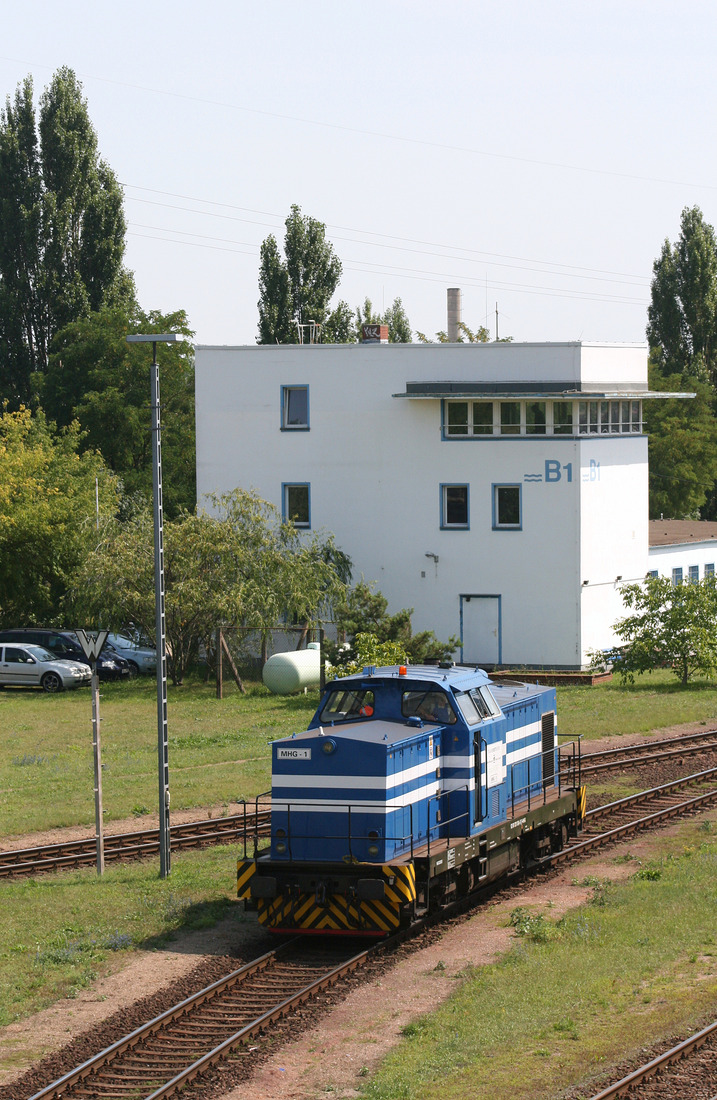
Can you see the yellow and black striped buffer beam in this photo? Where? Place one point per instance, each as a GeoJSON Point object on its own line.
{"type": "Point", "coordinates": [582, 802]}
{"type": "Point", "coordinates": [245, 872]}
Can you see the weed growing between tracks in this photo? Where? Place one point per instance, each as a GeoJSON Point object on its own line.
{"type": "Point", "coordinates": [575, 995]}
{"type": "Point", "coordinates": [59, 932]}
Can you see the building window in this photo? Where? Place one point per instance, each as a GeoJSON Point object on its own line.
{"type": "Point", "coordinates": [653, 574]}
{"type": "Point", "coordinates": [457, 418]}
{"type": "Point", "coordinates": [535, 420]}
{"type": "Point", "coordinates": [507, 508]}
{"type": "Point", "coordinates": [454, 507]}
{"type": "Point", "coordinates": [563, 418]}
{"type": "Point", "coordinates": [710, 569]}
{"type": "Point", "coordinates": [465, 418]}
{"type": "Point", "coordinates": [694, 574]}
{"type": "Point", "coordinates": [295, 408]}
{"type": "Point", "coordinates": [603, 417]}
{"type": "Point", "coordinates": [472, 419]}
{"type": "Point", "coordinates": [296, 504]}
{"type": "Point", "coordinates": [677, 576]}
{"type": "Point", "coordinates": [510, 418]}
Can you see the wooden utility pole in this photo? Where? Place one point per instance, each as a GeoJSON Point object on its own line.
{"type": "Point", "coordinates": [222, 650]}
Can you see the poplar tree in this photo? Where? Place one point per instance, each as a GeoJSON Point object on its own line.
{"type": "Point", "coordinates": [62, 227]}
{"type": "Point", "coordinates": [298, 287]}
{"type": "Point", "coordinates": [682, 316]}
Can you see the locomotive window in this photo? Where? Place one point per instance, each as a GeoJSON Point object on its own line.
{"type": "Point", "coordinates": [345, 706]}
{"type": "Point", "coordinates": [468, 708]}
{"type": "Point", "coordinates": [480, 704]}
{"type": "Point", "coordinates": [431, 706]}
{"type": "Point", "coordinates": [484, 702]}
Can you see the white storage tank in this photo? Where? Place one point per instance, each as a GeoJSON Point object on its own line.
{"type": "Point", "coordinates": [285, 673]}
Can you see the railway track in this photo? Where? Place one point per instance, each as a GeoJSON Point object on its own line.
{"type": "Point", "coordinates": [165, 1054]}
{"type": "Point", "coordinates": [226, 830]}
{"type": "Point", "coordinates": [686, 1070]}
{"type": "Point", "coordinates": [168, 1052]}
{"type": "Point", "coordinates": [618, 820]}
{"type": "Point", "coordinates": [648, 752]}
{"type": "Point", "coordinates": [119, 846]}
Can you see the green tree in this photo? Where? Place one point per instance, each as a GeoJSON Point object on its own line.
{"type": "Point", "coordinates": [669, 624]}
{"type": "Point", "coordinates": [682, 315]}
{"type": "Point", "coordinates": [62, 227]}
{"type": "Point", "coordinates": [339, 327]}
{"type": "Point", "coordinates": [481, 335]}
{"type": "Point", "coordinates": [47, 514]}
{"type": "Point", "coordinates": [399, 327]}
{"type": "Point", "coordinates": [240, 568]}
{"type": "Point", "coordinates": [364, 611]}
{"type": "Point", "coordinates": [299, 287]}
{"type": "Point", "coordinates": [95, 377]}
{"type": "Point", "coordinates": [682, 447]}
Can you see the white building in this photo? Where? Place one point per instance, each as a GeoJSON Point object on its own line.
{"type": "Point", "coordinates": [683, 550]}
{"type": "Point", "coordinates": [500, 490]}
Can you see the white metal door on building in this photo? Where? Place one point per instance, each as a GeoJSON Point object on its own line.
{"type": "Point", "coordinates": [481, 630]}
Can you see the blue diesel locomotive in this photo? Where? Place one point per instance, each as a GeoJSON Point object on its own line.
{"type": "Point", "coordinates": [411, 786]}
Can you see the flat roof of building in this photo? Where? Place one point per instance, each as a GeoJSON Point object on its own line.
{"type": "Point", "coordinates": [672, 532]}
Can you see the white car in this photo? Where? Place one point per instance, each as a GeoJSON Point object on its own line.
{"type": "Point", "coordinates": [33, 666]}
{"type": "Point", "coordinates": [140, 658]}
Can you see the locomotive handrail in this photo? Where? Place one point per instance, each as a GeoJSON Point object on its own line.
{"type": "Point", "coordinates": [573, 756]}
{"type": "Point", "coordinates": [528, 788]}
{"type": "Point", "coordinates": [264, 794]}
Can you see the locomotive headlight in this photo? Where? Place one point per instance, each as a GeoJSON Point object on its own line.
{"type": "Point", "coordinates": [373, 849]}
{"type": "Point", "coordinates": [328, 746]}
{"type": "Point", "coordinates": [280, 847]}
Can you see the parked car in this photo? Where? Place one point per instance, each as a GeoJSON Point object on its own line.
{"type": "Point", "coordinates": [110, 665]}
{"type": "Point", "coordinates": [142, 658]}
{"type": "Point", "coordinates": [32, 666]}
{"type": "Point", "coordinates": [64, 646]}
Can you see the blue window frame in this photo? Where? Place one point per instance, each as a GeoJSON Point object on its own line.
{"type": "Point", "coordinates": [710, 569]}
{"type": "Point", "coordinates": [653, 573]}
{"type": "Point", "coordinates": [455, 510]}
{"type": "Point", "coordinates": [694, 574]}
{"type": "Point", "coordinates": [677, 576]}
{"type": "Point", "coordinates": [507, 508]}
{"type": "Point", "coordinates": [296, 503]}
{"type": "Point", "coordinates": [294, 408]}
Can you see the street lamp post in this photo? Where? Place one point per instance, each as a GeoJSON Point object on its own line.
{"type": "Point", "coordinates": [160, 622]}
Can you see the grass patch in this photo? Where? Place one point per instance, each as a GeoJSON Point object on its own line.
{"type": "Point", "coordinates": [575, 994]}
{"type": "Point", "coordinates": [654, 702]}
{"type": "Point", "coordinates": [218, 750]}
{"type": "Point", "coordinates": [60, 932]}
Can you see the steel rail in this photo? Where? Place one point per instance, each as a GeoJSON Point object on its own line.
{"type": "Point", "coordinates": [648, 752]}
{"type": "Point", "coordinates": [652, 793]}
{"type": "Point", "coordinates": [625, 1084]}
{"type": "Point", "coordinates": [282, 1009]}
{"type": "Point", "coordinates": [653, 743]}
{"type": "Point", "coordinates": [78, 853]}
{"type": "Point", "coordinates": [94, 1066]}
{"type": "Point", "coordinates": [675, 809]}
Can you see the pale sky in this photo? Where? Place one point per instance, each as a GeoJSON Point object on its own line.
{"type": "Point", "coordinates": [534, 154]}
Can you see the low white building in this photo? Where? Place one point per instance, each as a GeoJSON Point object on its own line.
{"type": "Point", "coordinates": [500, 490]}
{"type": "Point", "coordinates": [683, 550]}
